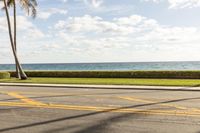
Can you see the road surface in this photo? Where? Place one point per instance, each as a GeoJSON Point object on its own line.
{"type": "Point", "coordinates": [74, 110]}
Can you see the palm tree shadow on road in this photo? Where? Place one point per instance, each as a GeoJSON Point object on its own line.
{"type": "Point", "coordinates": [116, 118]}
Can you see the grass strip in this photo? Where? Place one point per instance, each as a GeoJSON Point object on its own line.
{"type": "Point", "coordinates": [108, 81]}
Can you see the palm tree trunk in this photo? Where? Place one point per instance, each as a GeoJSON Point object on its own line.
{"type": "Point", "coordinates": [22, 74]}
{"type": "Point", "coordinates": [15, 37]}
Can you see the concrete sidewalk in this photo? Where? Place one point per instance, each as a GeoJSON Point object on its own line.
{"type": "Point", "coordinates": [134, 87]}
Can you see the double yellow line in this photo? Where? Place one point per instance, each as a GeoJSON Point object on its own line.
{"type": "Point", "coordinates": [27, 102]}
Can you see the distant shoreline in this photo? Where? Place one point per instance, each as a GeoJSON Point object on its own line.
{"type": "Point", "coordinates": [115, 66]}
{"type": "Point", "coordinates": [101, 62]}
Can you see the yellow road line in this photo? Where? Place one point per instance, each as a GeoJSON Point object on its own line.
{"type": "Point", "coordinates": [162, 104]}
{"type": "Point", "coordinates": [25, 99]}
{"type": "Point", "coordinates": [50, 93]}
{"type": "Point", "coordinates": [147, 101]}
{"type": "Point", "coordinates": [32, 103]}
{"type": "Point", "coordinates": [43, 93]}
{"type": "Point", "coordinates": [104, 109]}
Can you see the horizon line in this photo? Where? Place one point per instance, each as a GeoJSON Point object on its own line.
{"type": "Point", "coordinates": [98, 62]}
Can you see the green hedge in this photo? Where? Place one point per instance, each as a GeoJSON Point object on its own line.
{"type": "Point", "coordinates": [4, 75]}
{"type": "Point", "coordinates": [115, 74]}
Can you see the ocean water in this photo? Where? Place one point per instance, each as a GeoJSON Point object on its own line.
{"type": "Point", "coordinates": [109, 66]}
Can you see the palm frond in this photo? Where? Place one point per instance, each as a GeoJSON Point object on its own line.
{"type": "Point", "coordinates": [29, 6]}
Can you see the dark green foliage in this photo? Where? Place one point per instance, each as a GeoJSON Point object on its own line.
{"type": "Point", "coordinates": [115, 74]}
{"type": "Point", "coordinates": [4, 75]}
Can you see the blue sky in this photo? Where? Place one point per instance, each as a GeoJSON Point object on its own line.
{"type": "Point", "coordinates": [106, 31]}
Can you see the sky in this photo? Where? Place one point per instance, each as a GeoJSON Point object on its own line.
{"type": "Point", "coordinates": [74, 31]}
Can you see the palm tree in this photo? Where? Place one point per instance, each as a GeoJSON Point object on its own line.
{"type": "Point", "coordinates": [10, 3]}
{"type": "Point", "coordinates": [15, 35]}
{"type": "Point", "coordinates": [21, 72]}
{"type": "Point", "coordinates": [27, 5]}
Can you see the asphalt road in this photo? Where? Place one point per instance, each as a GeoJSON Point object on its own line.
{"type": "Point", "coordinates": [73, 110]}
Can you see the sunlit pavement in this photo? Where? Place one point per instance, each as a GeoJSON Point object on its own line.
{"type": "Point", "coordinates": [79, 110]}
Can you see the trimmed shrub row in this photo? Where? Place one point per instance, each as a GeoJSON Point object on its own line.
{"type": "Point", "coordinates": [4, 75]}
{"type": "Point", "coordinates": [115, 74]}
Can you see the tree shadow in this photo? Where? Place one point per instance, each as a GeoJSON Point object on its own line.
{"type": "Point", "coordinates": [56, 130]}
{"type": "Point", "coordinates": [145, 90]}
{"type": "Point", "coordinates": [103, 126]}
{"type": "Point", "coordinates": [100, 126]}
{"type": "Point", "coordinates": [93, 113]}
{"type": "Point", "coordinates": [7, 110]}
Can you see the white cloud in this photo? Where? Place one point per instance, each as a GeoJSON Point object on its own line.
{"type": "Point", "coordinates": [94, 3]}
{"type": "Point", "coordinates": [22, 23]}
{"type": "Point", "coordinates": [27, 29]}
{"type": "Point", "coordinates": [94, 38]}
{"type": "Point", "coordinates": [28, 35]}
{"type": "Point", "coordinates": [135, 32]}
{"type": "Point", "coordinates": [88, 23]}
{"type": "Point", "coordinates": [184, 3]}
{"type": "Point", "coordinates": [48, 13]}
{"type": "Point", "coordinates": [174, 4]}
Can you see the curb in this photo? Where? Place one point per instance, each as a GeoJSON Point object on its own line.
{"type": "Point", "coordinates": [126, 87]}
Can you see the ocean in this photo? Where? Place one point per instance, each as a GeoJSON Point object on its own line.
{"type": "Point", "coordinates": [190, 65]}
